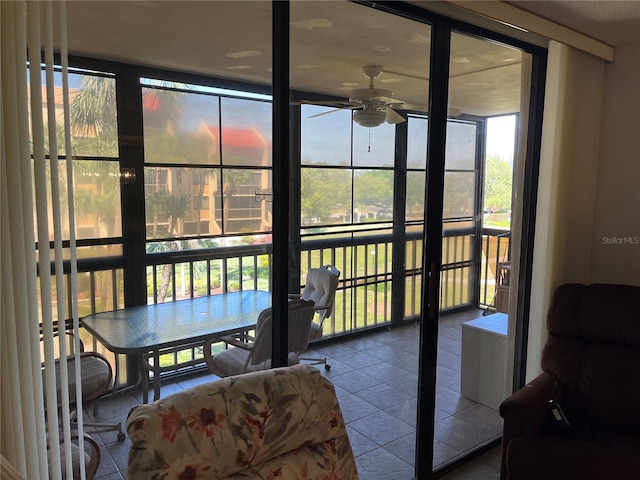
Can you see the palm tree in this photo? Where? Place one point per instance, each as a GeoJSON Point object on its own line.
{"type": "Point", "coordinates": [96, 183]}
{"type": "Point", "coordinates": [94, 124]}
{"type": "Point", "coordinates": [174, 206]}
{"type": "Point", "coordinates": [231, 179]}
{"type": "Point", "coordinates": [93, 108]}
{"type": "Point", "coordinates": [199, 270]}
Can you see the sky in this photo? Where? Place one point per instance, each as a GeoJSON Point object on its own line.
{"type": "Point", "coordinates": [337, 125]}
{"type": "Point", "coordinates": [501, 133]}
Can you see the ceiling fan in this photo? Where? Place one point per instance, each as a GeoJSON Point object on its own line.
{"type": "Point", "coordinates": [371, 106]}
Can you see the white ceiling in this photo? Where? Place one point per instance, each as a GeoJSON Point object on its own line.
{"type": "Point", "coordinates": [614, 22]}
{"type": "Point", "coordinates": [330, 42]}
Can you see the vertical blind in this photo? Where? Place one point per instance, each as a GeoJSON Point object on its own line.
{"type": "Point", "coordinates": [36, 433]}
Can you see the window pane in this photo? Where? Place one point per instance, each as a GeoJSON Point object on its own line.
{"type": "Point", "coordinates": [457, 224]}
{"type": "Point", "coordinates": [246, 132]}
{"type": "Point", "coordinates": [92, 100]}
{"type": "Point", "coordinates": [374, 147]}
{"type": "Point", "coordinates": [457, 248]}
{"type": "Point", "coordinates": [97, 198]}
{"type": "Point", "coordinates": [461, 146]}
{"type": "Point", "coordinates": [180, 127]}
{"type": "Point", "coordinates": [98, 291]}
{"type": "Point", "coordinates": [64, 204]}
{"type": "Point", "coordinates": [498, 173]}
{"type": "Point", "coordinates": [182, 202]}
{"type": "Point", "coordinates": [92, 111]}
{"type": "Point", "coordinates": [415, 195]}
{"type": "Point", "coordinates": [88, 253]}
{"type": "Point", "coordinates": [417, 143]}
{"type": "Point", "coordinates": [326, 196]}
{"type": "Point", "coordinates": [459, 194]}
{"type": "Point", "coordinates": [326, 139]}
{"type": "Point", "coordinates": [373, 195]}
{"type": "Point", "coordinates": [243, 211]}
{"type": "Point", "coordinates": [184, 128]}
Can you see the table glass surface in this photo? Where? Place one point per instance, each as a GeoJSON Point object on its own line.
{"type": "Point", "coordinates": [147, 327]}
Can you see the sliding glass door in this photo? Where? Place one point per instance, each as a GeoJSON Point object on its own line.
{"type": "Point", "coordinates": [391, 106]}
{"type": "Point", "coordinates": [359, 80]}
{"type": "Point", "coordinates": [484, 81]}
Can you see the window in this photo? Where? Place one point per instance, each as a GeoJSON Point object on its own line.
{"type": "Point", "coordinates": [95, 154]}
{"type": "Point", "coordinates": [96, 186]}
{"type": "Point", "coordinates": [460, 172]}
{"type": "Point", "coordinates": [347, 170]}
{"type": "Point", "coordinates": [498, 174]}
{"type": "Point", "coordinates": [206, 157]}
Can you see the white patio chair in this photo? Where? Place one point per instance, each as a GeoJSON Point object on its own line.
{"type": "Point", "coordinates": [320, 287]}
{"type": "Point", "coordinates": [248, 354]}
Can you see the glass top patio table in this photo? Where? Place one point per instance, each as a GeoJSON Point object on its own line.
{"type": "Point", "coordinates": [138, 330]}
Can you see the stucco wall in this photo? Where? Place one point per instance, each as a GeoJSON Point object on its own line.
{"type": "Point", "coordinates": [588, 213]}
{"type": "Point", "coordinates": [616, 230]}
{"type": "Point", "coordinates": [567, 184]}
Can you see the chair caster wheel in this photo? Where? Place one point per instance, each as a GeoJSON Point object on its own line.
{"type": "Point", "coordinates": [121, 437]}
{"type": "Point", "coordinates": [327, 367]}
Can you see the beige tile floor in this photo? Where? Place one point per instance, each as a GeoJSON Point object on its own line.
{"type": "Point", "coordinates": [375, 377]}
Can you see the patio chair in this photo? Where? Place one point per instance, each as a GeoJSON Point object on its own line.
{"type": "Point", "coordinates": [96, 380]}
{"type": "Point", "coordinates": [321, 284]}
{"type": "Point", "coordinates": [248, 354]}
{"type": "Point", "coordinates": [90, 456]}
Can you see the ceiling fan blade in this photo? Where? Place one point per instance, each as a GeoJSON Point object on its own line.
{"type": "Point", "coordinates": [408, 75]}
{"type": "Point", "coordinates": [325, 113]}
{"type": "Point", "coordinates": [330, 103]}
{"type": "Point", "coordinates": [394, 117]}
{"type": "Point", "coordinates": [337, 109]}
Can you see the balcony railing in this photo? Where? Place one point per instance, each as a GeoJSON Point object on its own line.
{"type": "Point", "coordinates": [495, 251]}
{"type": "Point", "coordinates": [363, 298]}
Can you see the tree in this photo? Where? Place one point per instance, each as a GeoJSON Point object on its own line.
{"type": "Point", "coordinates": [374, 187]}
{"type": "Point", "coordinates": [497, 184]}
{"type": "Point", "coordinates": [415, 193]}
{"type": "Point", "coordinates": [325, 191]}
{"type": "Point", "coordinates": [231, 179]}
{"type": "Point", "coordinates": [459, 194]}
{"type": "Point", "coordinates": [175, 207]}
{"type": "Point", "coordinates": [174, 147]}
{"type": "Point", "coordinates": [93, 109]}
{"type": "Point", "coordinates": [94, 127]}
{"type": "Point", "coordinates": [199, 269]}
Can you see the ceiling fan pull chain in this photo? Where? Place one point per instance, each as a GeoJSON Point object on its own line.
{"type": "Point", "coordinates": [369, 146]}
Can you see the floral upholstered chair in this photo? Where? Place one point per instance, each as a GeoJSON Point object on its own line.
{"type": "Point", "coordinates": [280, 423]}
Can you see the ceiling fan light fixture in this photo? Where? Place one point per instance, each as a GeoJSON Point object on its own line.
{"type": "Point", "coordinates": [369, 118]}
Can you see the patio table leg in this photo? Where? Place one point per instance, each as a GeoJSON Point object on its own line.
{"type": "Point", "coordinates": [156, 376]}
{"type": "Point", "coordinates": [144, 379]}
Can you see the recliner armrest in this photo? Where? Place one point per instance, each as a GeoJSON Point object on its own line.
{"type": "Point", "coordinates": [526, 412]}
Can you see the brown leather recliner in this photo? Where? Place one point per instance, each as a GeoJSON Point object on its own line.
{"type": "Point", "coordinates": [591, 366]}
